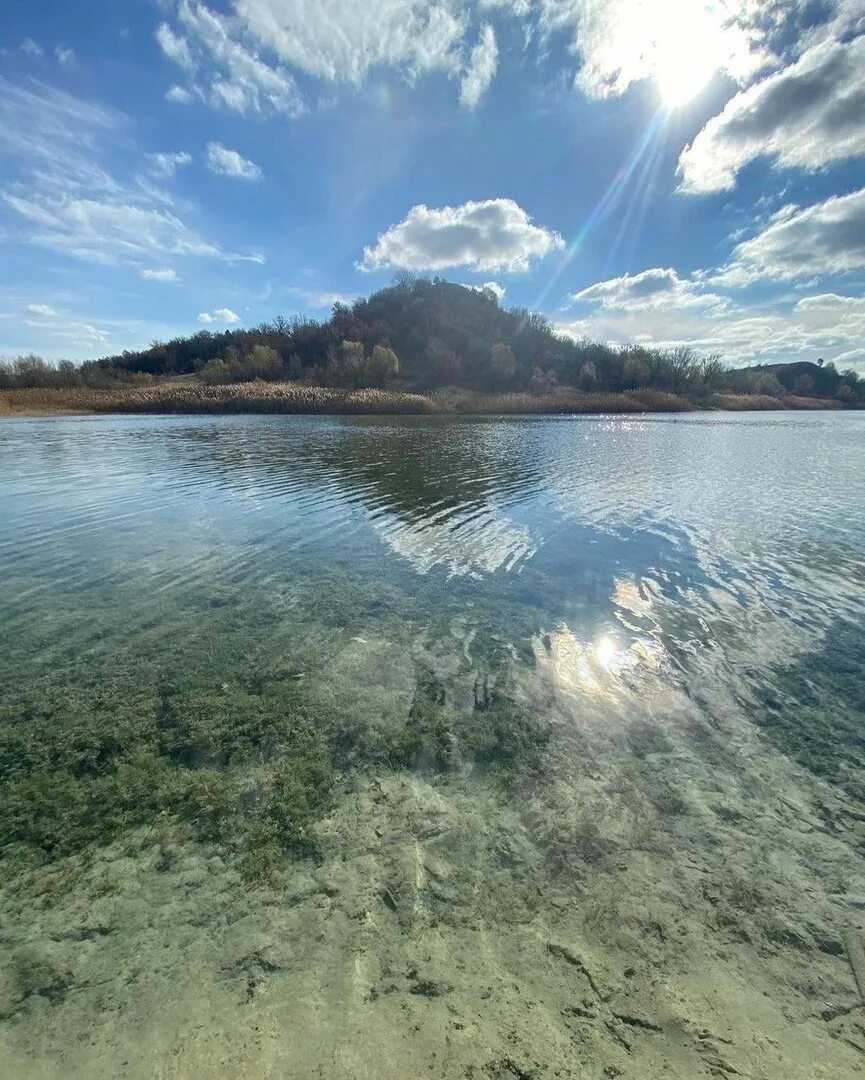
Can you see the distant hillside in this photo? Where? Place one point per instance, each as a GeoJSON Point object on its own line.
{"type": "Point", "coordinates": [423, 334]}
{"type": "Point", "coordinates": [807, 379]}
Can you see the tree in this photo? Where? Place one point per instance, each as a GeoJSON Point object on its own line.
{"type": "Point", "coordinates": [502, 364]}
{"type": "Point", "coordinates": [588, 377]}
{"type": "Point", "coordinates": [634, 373]}
{"type": "Point", "coordinates": [804, 386]}
{"type": "Point", "coordinates": [542, 382]}
{"type": "Point", "coordinates": [383, 365]}
{"type": "Point", "coordinates": [215, 373]}
{"type": "Point", "coordinates": [294, 367]}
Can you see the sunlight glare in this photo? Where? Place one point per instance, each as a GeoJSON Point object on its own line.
{"type": "Point", "coordinates": [690, 44]}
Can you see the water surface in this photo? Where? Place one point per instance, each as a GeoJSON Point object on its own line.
{"type": "Point", "coordinates": [432, 747]}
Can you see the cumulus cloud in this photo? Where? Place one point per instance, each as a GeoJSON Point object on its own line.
{"type": "Point", "coordinates": [227, 162]}
{"type": "Point", "coordinates": [29, 47]}
{"type": "Point", "coordinates": [157, 274]}
{"type": "Point", "coordinates": [66, 57]}
{"type": "Point", "coordinates": [828, 326]}
{"type": "Point", "coordinates": [806, 116]}
{"type": "Point", "coordinates": [495, 234]}
{"type": "Point", "coordinates": [220, 315]}
{"type": "Point", "coordinates": [481, 69]}
{"type": "Point", "coordinates": [42, 309]}
{"type": "Point", "coordinates": [167, 164]}
{"type": "Point", "coordinates": [824, 239]}
{"type": "Point", "coordinates": [653, 288]}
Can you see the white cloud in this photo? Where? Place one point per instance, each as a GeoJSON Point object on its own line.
{"type": "Point", "coordinates": [220, 315]}
{"type": "Point", "coordinates": [655, 288]}
{"type": "Point", "coordinates": [806, 116]}
{"type": "Point", "coordinates": [166, 164]}
{"type": "Point", "coordinates": [29, 47]}
{"type": "Point", "coordinates": [621, 42]}
{"type": "Point", "coordinates": [497, 290]}
{"type": "Point", "coordinates": [229, 163]}
{"type": "Point", "coordinates": [481, 68]}
{"type": "Point", "coordinates": [823, 239]}
{"type": "Point", "coordinates": [318, 299]}
{"type": "Point", "coordinates": [156, 274]}
{"type": "Point", "coordinates": [342, 40]}
{"type": "Point", "coordinates": [105, 231]}
{"type": "Point", "coordinates": [82, 335]}
{"type": "Point", "coordinates": [246, 61]}
{"type": "Point", "coordinates": [179, 95]}
{"type": "Point", "coordinates": [57, 195]}
{"type": "Point", "coordinates": [743, 335]}
{"type": "Point", "coordinates": [66, 57]}
{"type": "Point", "coordinates": [175, 47]}
{"type": "Point", "coordinates": [226, 72]}
{"type": "Point", "coordinates": [495, 234]}
{"type": "Point", "coordinates": [41, 309]}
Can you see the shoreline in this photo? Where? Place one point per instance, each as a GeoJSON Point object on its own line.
{"type": "Point", "coordinates": [300, 399]}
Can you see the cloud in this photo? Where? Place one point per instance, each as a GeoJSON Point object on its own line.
{"type": "Point", "coordinates": [66, 57]}
{"type": "Point", "coordinates": [179, 95]}
{"type": "Point", "coordinates": [495, 234]}
{"type": "Point", "coordinates": [828, 326]}
{"type": "Point", "coordinates": [227, 162]}
{"type": "Point", "coordinates": [175, 47]}
{"type": "Point", "coordinates": [41, 309]}
{"type": "Point", "coordinates": [57, 195]}
{"type": "Point", "coordinates": [225, 72]}
{"type": "Point", "coordinates": [806, 116]}
{"type": "Point", "coordinates": [105, 231]}
{"type": "Point", "coordinates": [247, 60]}
{"type": "Point", "coordinates": [481, 68]}
{"type": "Point", "coordinates": [823, 239]}
{"type": "Point", "coordinates": [166, 164]}
{"type": "Point", "coordinates": [320, 298]}
{"type": "Point", "coordinates": [29, 47]}
{"type": "Point", "coordinates": [621, 42]}
{"type": "Point", "coordinates": [220, 315]}
{"type": "Point", "coordinates": [153, 274]}
{"type": "Point", "coordinates": [497, 290]}
{"type": "Point", "coordinates": [342, 40]}
{"type": "Point", "coordinates": [655, 288]}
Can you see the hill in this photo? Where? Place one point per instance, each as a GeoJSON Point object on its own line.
{"type": "Point", "coordinates": [423, 333]}
{"type": "Point", "coordinates": [807, 379]}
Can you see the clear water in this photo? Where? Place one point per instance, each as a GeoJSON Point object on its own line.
{"type": "Point", "coordinates": [433, 747]}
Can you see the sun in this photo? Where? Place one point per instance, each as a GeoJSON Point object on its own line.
{"type": "Point", "coordinates": [681, 79]}
{"type": "Point", "coordinates": [689, 46]}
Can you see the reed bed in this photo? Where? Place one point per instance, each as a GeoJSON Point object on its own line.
{"type": "Point", "coordinates": [288, 397]}
{"type": "Point", "coordinates": [254, 397]}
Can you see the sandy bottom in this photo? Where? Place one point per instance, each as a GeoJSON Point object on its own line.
{"type": "Point", "coordinates": [669, 901]}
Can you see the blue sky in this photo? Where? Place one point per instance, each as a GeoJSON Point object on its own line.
{"type": "Point", "coordinates": [664, 171]}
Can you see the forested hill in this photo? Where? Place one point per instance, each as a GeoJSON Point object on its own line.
{"type": "Point", "coordinates": [423, 333]}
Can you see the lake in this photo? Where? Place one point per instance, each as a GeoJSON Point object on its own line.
{"type": "Point", "coordinates": [401, 747]}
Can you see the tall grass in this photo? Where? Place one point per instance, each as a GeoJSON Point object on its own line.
{"type": "Point", "coordinates": [288, 397]}
{"type": "Point", "coordinates": [254, 397]}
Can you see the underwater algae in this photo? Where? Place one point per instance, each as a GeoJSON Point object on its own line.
{"type": "Point", "coordinates": [389, 750]}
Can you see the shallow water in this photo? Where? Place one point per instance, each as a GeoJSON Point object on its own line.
{"type": "Point", "coordinates": [579, 705]}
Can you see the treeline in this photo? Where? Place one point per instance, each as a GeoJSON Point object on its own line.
{"type": "Point", "coordinates": [425, 333]}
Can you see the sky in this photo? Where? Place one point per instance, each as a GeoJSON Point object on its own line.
{"type": "Point", "coordinates": [659, 171]}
